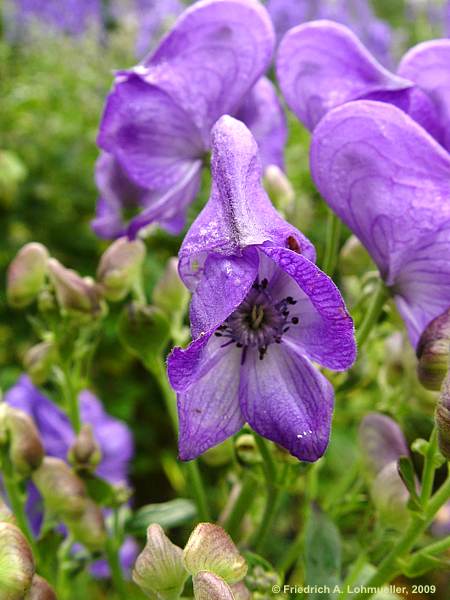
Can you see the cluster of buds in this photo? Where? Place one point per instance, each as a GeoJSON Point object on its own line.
{"type": "Point", "coordinates": [210, 558]}
{"type": "Point", "coordinates": [20, 439]}
{"type": "Point", "coordinates": [18, 578]}
{"type": "Point", "coordinates": [443, 418]}
{"type": "Point", "coordinates": [382, 444]}
{"type": "Point", "coordinates": [65, 497]}
{"type": "Point", "coordinates": [433, 352]}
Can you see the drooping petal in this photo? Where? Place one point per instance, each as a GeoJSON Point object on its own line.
{"type": "Point", "coordinates": [285, 399]}
{"type": "Point", "coordinates": [322, 64]}
{"type": "Point", "coordinates": [239, 212]}
{"type": "Point", "coordinates": [382, 441]}
{"type": "Point", "coordinates": [385, 177]}
{"type": "Point", "coordinates": [212, 57]}
{"type": "Point", "coordinates": [206, 378]}
{"type": "Point", "coordinates": [325, 330]}
{"type": "Point", "coordinates": [264, 116]}
{"type": "Point", "coordinates": [427, 64]}
{"type": "Point", "coordinates": [150, 135]}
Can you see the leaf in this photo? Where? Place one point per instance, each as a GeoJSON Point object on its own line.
{"type": "Point", "coordinates": [422, 562]}
{"type": "Point", "coordinates": [406, 472]}
{"type": "Point", "coordinates": [322, 554]}
{"type": "Point", "coordinates": [167, 514]}
{"type": "Point", "coordinates": [102, 492]}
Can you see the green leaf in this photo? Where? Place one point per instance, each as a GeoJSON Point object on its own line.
{"type": "Point", "coordinates": [167, 514]}
{"type": "Point", "coordinates": [322, 554]}
{"type": "Point", "coordinates": [102, 492]}
{"type": "Point", "coordinates": [422, 563]}
{"type": "Point", "coordinates": [407, 473]}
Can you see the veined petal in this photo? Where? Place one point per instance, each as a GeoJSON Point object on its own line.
{"type": "Point", "coordinates": [264, 116]}
{"type": "Point", "coordinates": [323, 64]}
{"type": "Point", "coordinates": [239, 213]}
{"type": "Point", "coordinates": [212, 57]}
{"type": "Point", "coordinates": [151, 136]}
{"type": "Point", "coordinates": [206, 378]}
{"type": "Point", "coordinates": [427, 64]}
{"type": "Point", "coordinates": [285, 399]}
{"type": "Point", "coordinates": [325, 331]}
{"type": "Point", "coordinates": [385, 177]}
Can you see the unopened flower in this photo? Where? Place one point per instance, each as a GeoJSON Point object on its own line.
{"type": "Point", "coordinates": [208, 586]}
{"type": "Point", "coordinates": [16, 563]}
{"type": "Point", "coordinates": [40, 590]}
{"type": "Point", "coordinates": [261, 312]}
{"type": "Point", "coordinates": [89, 528]}
{"type": "Point", "coordinates": [26, 275]}
{"type": "Point", "coordinates": [388, 180]}
{"type": "Point", "coordinates": [169, 293]}
{"type": "Point", "coordinates": [85, 453]}
{"type": "Point", "coordinates": [156, 126]}
{"type": "Point", "coordinates": [19, 433]}
{"type": "Point", "coordinates": [279, 188]}
{"type": "Point", "coordinates": [433, 352]}
{"type": "Point", "coordinates": [120, 267]}
{"type": "Point", "coordinates": [443, 418]}
{"type": "Point", "coordinates": [74, 293]}
{"type": "Point", "coordinates": [38, 361]}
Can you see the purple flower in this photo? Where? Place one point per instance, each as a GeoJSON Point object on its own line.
{"type": "Point", "coordinates": [57, 436]}
{"type": "Point", "coordinates": [355, 14]}
{"type": "Point", "coordinates": [158, 118]}
{"type": "Point", "coordinates": [389, 181]}
{"type": "Point", "coordinates": [261, 312]}
{"type": "Point", "coordinates": [313, 81]}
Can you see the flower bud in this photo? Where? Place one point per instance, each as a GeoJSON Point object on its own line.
{"type": "Point", "coordinates": [170, 294]}
{"type": "Point", "coordinates": [433, 352]}
{"type": "Point", "coordinates": [119, 267]}
{"type": "Point", "coordinates": [64, 493]}
{"type": "Point", "coordinates": [381, 440]}
{"type": "Point", "coordinates": [40, 590]}
{"type": "Point", "coordinates": [354, 258]}
{"type": "Point", "coordinates": [38, 361]}
{"type": "Point", "coordinates": [443, 418]}
{"type": "Point", "coordinates": [208, 586]}
{"type": "Point", "coordinates": [85, 453]}
{"type": "Point", "coordinates": [16, 563]}
{"type": "Point", "coordinates": [26, 275]}
{"type": "Point", "coordinates": [159, 569]}
{"type": "Point", "coordinates": [219, 455]}
{"type": "Point", "coordinates": [390, 497]}
{"type": "Point", "coordinates": [210, 548]}
{"type": "Point", "coordinates": [73, 292]}
{"type": "Point", "coordinates": [279, 188]}
{"type": "Point", "coordinates": [88, 528]}
{"type": "Point", "coordinates": [247, 449]}
{"type": "Point", "coordinates": [18, 430]}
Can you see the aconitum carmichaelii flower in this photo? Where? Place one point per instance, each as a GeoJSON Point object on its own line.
{"type": "Point", "coordinates": [112, 435]}
{"type": "Point", "coordinates": [157, 120]}
{"type": "Point", "coordinates": [389, 181]}
{"type": "Point", "coordinates": [261, 312]}
{"type": "Point", "coordinates": [313, 81]}
{"type": "Point", "coordinates": [355, 14]}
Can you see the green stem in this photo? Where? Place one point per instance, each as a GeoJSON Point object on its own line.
{"type": "Point", "coordinates": [242, 504]}
{"type": "Point", "coordinates": [435, 548]}
{"type": "Point", "coordinates": [332, 243]}
{"type": "Point", "coordinates": [198, 491]}
{"type": "Point", "coordinates": [71, 399]}
{"type": "Point", "coordinates": [373, 313]}
{"type": "Point", "coordinates": [429, 468]}
{"type": "Point", "coordinates": [354, 573]}
{"type": "Point", "coordinates": [269, 467]}
{"type": "Point", "coordinates": [112, 554]}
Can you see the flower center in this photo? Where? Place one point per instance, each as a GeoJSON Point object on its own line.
{"type": "Point", "coordinates": [258, 321]}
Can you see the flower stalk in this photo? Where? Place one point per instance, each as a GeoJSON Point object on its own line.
{"type": "Point", "coordinates": [332, 243]}
{"type": "Point", "coordinates": [372, 315]}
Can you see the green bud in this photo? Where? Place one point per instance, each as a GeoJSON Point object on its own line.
{"type": "Point", "coordinates": [443, 418]}
{"type": "Point", "coordinates": [219, 455]}
{"type": "Point", "coordinates": [210, 548]}
{"type": "Point", "coordinates": [16, 563]}
{"type": "Point", "coordinates": [208, 586]}
{"type": "Point", "coordinates": [144, 330]}
{"type": "Point", "coordinates": [19, 432]}
{"type": "Point", "coordinates": [279, 188]}
{"type": "Point", "coordinates": [26, 275]}
{"type": "Point", "coordinates": [433, 352]}
{"type": "Point", "coordinates": [390, 497]}
{"type": "Point", "coordinates": [88, 528]}
{"type": "Point", "coordinates": [240, 591]}
{"type": "Point", "coordinates": [64, 493]}
{"type": "Point", "coordinates": [354, 258]}
{"type": "Point", "coordinates": [247, 449]}
{"type": "Point", "coordinates": [119, 268]}
{"type": "Point", "coordinates": [159, 569]}
{"type": "Point", "coordinates": [85, 453]}
{"type": "Point", "coordinates": [170, 294]}
{"type": "Point", "coordinates": [40, 590]}
{"type": "Point", "coordinates": [73, 292]}
{"type": "Point", "coordinates": [38, 361]}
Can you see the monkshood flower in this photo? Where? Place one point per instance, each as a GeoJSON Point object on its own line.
{"type": "Point", "coordinates": [156, 126]}
{"type": "Point", "coordinates": [389, 181]}
{"type": "Point", "coordinates": [355, 14]}
{"type": "Point", "coordinates": [313, 81]}
{"type": "Point", "coordinates": [261, 312]}
{"type": "Point", "coordinates": [112, 436]}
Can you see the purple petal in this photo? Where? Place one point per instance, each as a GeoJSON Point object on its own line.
{"type": "Point", "coordinates": [325, 330]}
{"type": "Point", "coordinates": [427, 64]}
{"type": "Point", "coordinates": [206, 377]}
{"type": "Point", "coordinates": [314, 81]}
{"type": "Point", "coordinates": [239, 212]}
{"type": "Point", "coordinates": [285, 399]}
{"type": "Point", "coordinates": [382, 441]}
{"type": "Point", "coordinates": [150, 135]}
{"type": "Point", "coordinates": [127, 556]}
{"type": "Point", "coordinates": [264, 116]}
{"type": "Point", "coordinates": [212, 57]}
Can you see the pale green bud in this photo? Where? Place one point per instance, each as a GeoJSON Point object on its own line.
{"type": "Point", "coordinates": [120, 267]}
{"type": "Point", "coordinates": [210, 548]}
{"type": "Point", "coordinates": [219, 455]}
{"type": "Point", "coordinates": [443, 418]}
{"type": "Point", "coordinates": [247, 449]}
{"type": "Point", "coordinates": [16, 563]}
{"type": "Point", "coordinates": [433, 352]}
{"type": "Point", "coordinates": [354, 258]}
{"type": "Point", "coordinates": [170, 294]}
{"type": "Point", "coordinates": [390, 497]}
{"type": "Point", "coordinates": [73, 292]}
{"type": "Point", "coordinates": [279, 188]}
{"type": "Point", "coordinates": [19, 433]}
{"type": "Point", "coordinates": [208, 586]}
{"type": "Point", "coordinates": [38, 361]}
{"type": "Point", "coordinates": [159, 569]}
{"type": "Point", "coordinates": [26, 275]}
{"type": "Point", "coordinates": [85, 453]}
{"type": "Point", "coordinates": [40, 590]}
{"type": "Point", "coordinates": [88, 528]}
